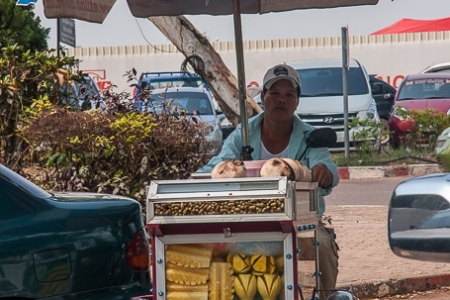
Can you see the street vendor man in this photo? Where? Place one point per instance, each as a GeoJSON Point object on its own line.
{"type": "Point", "coordinates": [279, 132]}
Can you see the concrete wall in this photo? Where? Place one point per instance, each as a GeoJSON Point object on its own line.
{"type": "Point", "coordinates": [390, 56]}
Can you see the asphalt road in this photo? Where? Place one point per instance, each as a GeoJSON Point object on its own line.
{"type": "Point", "coordinates": [364, 191]}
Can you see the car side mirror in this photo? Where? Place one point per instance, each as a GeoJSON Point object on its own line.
{"type": "Point", "coordinates": [389, 97]}
{"type": "Point", "coordinates": [253, 91]}
{"type": "Point", "coordinates": [320, 137]}
{"type": "Point", "coordinates": [419, 218]}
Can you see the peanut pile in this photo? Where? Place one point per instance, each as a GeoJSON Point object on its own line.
{"type": "Point", "coordinates": [226, 207]}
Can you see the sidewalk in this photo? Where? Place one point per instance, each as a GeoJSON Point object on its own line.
{"type": "Point", "coordinates": [365, 259]}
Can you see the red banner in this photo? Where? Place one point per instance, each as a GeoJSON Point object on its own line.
{"type": "Point", "coordinates": [94, 11]}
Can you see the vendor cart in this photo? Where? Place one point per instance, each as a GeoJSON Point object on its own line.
{"type": "Point", "coordinates": [231, 238]}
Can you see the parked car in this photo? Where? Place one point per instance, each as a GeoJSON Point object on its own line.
{"type": "Point", "coordinates": [226, 126]}
{"type": "Point", "coordinates": [81, 95]}
{"type": "Point", "coordinates": [417, 92]}
{"type": "Point", "coordinates": [419, 218]}
{"type": "Point", "coordinates": [384, 95]}
{"type": "Point", "coordinates": [158, 80]}
{"type": "Point", "coordinates": [443, 143]}
{"type": "Point", "coordinates": [321, 100]}
{"type": "Point", "coordinates": [443, 67]}
{"type": "Point", "coordinates": [194, 101]}
{"type": "Point", "coordinates": [69, 245]}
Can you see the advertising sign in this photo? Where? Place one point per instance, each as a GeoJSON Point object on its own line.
{"type": "Point", "coordinates": [25, 2]}
{"type": "Point", "coordinates": [66, 32]}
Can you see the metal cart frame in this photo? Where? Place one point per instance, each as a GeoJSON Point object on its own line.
{"type": "Point", "coordinates": [299, 214]}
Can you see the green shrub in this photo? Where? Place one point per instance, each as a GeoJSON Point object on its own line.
{"type": "Point", "coordinates": [366, 136]}
{"type": "Point", "coordinates": [430, 123]}
{"type": "Point", "coordinates": [427, 123]}
{"type": "Point", "coordinates": [116, 153]}
{"type": "Point", "coordinates": [26, 77]}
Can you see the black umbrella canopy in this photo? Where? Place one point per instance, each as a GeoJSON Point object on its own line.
{"type": "Point", "coordinates": [157, 8]}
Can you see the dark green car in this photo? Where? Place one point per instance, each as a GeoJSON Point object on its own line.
{"type": "Point", "coordinates": [69, 245]}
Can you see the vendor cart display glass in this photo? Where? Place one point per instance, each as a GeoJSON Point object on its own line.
{"type": "Point", "coordinates": [233, 199]}
{"type": "Point", "coordinates": [242, 266]}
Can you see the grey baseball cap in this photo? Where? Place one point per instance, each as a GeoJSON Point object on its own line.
{"type": "Point", "coordinates": [281, 71]}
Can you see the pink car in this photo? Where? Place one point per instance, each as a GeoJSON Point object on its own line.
{"type": "Point", "coordinates": [417, 92]}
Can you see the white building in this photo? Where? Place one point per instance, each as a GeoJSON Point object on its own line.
{"type": "Point", "coordinates": [391, 57]}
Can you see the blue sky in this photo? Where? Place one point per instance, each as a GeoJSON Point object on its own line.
{"type": "Point", "coordinates": [121, 28]}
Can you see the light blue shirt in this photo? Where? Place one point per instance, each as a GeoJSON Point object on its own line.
{"type": "Point", "coordinates": [232, 149]}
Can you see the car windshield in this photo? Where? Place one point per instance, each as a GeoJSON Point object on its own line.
{"type": "Point", "coordinates": [426, 88]}
{"type": "Point", "coordinates": [183, 81]}
{"type": "Point", "coordinates": [87, 87]}
{"type": "Point", "coordinates": [192, 102]}
{"type": "Point", "coordinates": [76, 94]}
{"type": "Point", "coordinates": [328, 82]}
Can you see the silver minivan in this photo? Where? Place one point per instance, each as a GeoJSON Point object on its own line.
{"type": "Point", "coordinates": [196, 101]}
{"type": "Point", "coordinates": [321, 100]}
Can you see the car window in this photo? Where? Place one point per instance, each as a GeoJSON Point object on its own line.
{"type": "Point", "coordinates": [16, 179]}
{"type": "Point", "coordinates": [160, 83]}
{"type": "Point", "coordinates": [426, 88]}
{"type": "Point", "coordinates": [87, 88]}
{"type": "Point", "coordinates": [440, 71]}
{"type": "Point", "coordinates": [69, 95]}
{"type": "Point", "coordinates": [328, 81]}
{"type": "Point", "coordinates": [188, 101]}
{"type": "Point", "coordinates": [386, 87]}
{"type": "Point", "coordinates": [75, 93]}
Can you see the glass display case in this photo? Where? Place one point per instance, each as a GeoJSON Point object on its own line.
{"type": "Point", "coordinates": [244, 266]}
{"type": "Point", "coordinates": [233, 199]}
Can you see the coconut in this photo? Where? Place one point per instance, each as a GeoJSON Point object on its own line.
{"type": "Point", "coordinates": [302, 172]}
{"type": "Point", "coordinates": [277, 167]}
{"type": "Point", "coordinates": [231, 168]}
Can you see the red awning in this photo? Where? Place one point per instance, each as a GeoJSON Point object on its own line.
{"type": "Point", "coordinates": [411, 25]}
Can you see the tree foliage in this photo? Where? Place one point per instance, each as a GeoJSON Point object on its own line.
{"type": "Point", "coordinates": [113, 152]}
{"type": "Point", "coordinates": [18, 25]}
{"type": "Point", "coordinates": [25, 77]}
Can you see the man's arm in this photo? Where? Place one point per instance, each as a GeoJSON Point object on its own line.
{"type": "Point", "coordinates": [322, 175]}
{"type": "Point", "coordinates": [324, 170]}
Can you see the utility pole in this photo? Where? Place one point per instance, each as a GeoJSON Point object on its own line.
{"type": "Point", "coordinates": [58, 37]}
{"type": "Point", "coordinates": [345, 67]}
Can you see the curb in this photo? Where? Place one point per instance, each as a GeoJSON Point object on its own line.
{"type": "Point", "coordinates": [387, 171]}
{"type": "Point", "coordinates": [398, 286]}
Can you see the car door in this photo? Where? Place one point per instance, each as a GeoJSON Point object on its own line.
{"type": "Point", "coordinates": [384, 95]}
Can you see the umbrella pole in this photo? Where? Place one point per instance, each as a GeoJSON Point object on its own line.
{"type": "Point", "coordinates": [246, 149]}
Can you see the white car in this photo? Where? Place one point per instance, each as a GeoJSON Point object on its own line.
{"type": "Point", "coordinates": [195, 101]}
{"type": "Point", "coordinates": [443, 67]}
{"type": "Point", "coordinates": [321, 100]}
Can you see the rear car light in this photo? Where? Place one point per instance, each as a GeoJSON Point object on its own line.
{"type": "Point", "coordinates": [137, 251]}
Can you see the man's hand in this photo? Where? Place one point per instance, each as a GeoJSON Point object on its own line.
{"type": "Point", "coordinates": [321, 174]}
